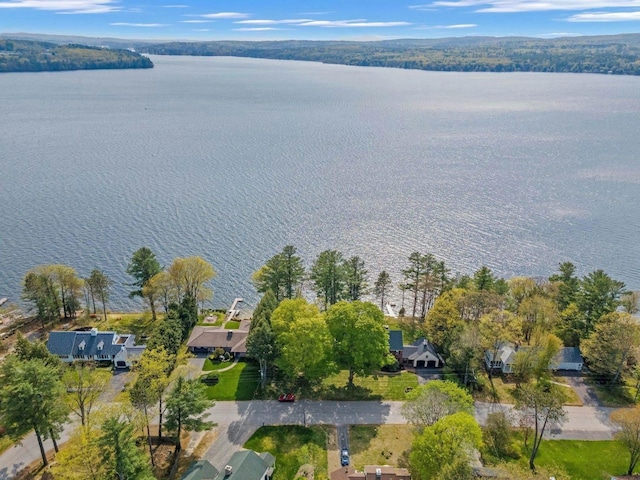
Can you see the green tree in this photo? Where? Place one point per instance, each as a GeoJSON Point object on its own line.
{"type": "Point", "coordinates": [328, 277]}
{"type": "Point", "coordinates": [571, 325]}
{"type": "Point", "coordinates": [628, 422]}
{"type": "Point", "coordinates": [261, 347]}
{"type": "Point", "coordinates": [629, 301]}
{"type": "Point", "coordinates": [32, 396]}
{"type": "Point", "coordinates": [361, 343]}
{"type": "Point", "coordinates": [466, 354]}
{"type": "Point", "coordinates": [267, 304]}
{"type": "Point", "coordinates": [443, 324]}
{"type": "Point", "coordinates": [542, 404]}
{"type": "Point", "coordinates": [84, 385]}
{"type": "Point", "coordinates": [612, 346]}
{"type": "Point", "coordinates": [599, 295]}
{"type": "Point", "coordinates": [27, 350]}
{"type": "Point", "coordinates": [142, 267]}
{"type": "Point", "coordinates": [190, 275]}
{"type": "Point", "coordinates": [567, 283]}
{"type": "Point", "coordinates": [498, 434]}
{"type": "Point", "coordinates": [484, 279]}
{"type": "Point", "coordinates": [153, 374]}
{"type": "Point", "coordinates": [497, 328]}
{"type": "Point", "coordinates": [444, 447]}
{"type": "Point", "coordinates": [282, 274]}
{"type": "Point", "coordinates": [381, 287]}
{"type": "Point", "coordinates": [144, 397]}
{"type": "Point", "coordinates": [303, 340]}
{"type": "Point", "coordinates": [121, 457]}
{"type": "Point", "coordinates": [160, 288]}
{"type": "Point", "coordinates": [435, 400]}
{"type": "Point", "coordinates": [81, 457]}
{"type": "Point", "coordinates": [100, 286]}
{"type": "Point", "coordinates": [39, 292]}
{"type": "Point", "coordinates": [186, 405]}
{"type": "Point", "coordinates": [413, 276]}
{"type": "Point", "coordinates": [168, 334]}
{"type": "Point", "coordinates": [539, 316]}
{"type": "Point", "coordinates": [356, 277]}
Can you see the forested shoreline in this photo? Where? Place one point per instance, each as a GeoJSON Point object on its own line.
{"type": "Point", "coordinates": [618, 54]}
{"type": "Point", "coordinates": [30, 56]}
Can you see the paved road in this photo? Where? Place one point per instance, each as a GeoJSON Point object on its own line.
{"type": "Point", "coordinates": [238, 420]}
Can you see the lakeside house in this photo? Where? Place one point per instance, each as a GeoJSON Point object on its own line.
{"type": "Point", "coordinates": [243, 465]}
{"type": "Point", "coordinates": [420, 354]}
{"type": "Point", "coordinates": [568, 358]}
{"type": "Point", "coordinates": [93, 345]}
{"type": "Point", "coordinates": [208, 339]}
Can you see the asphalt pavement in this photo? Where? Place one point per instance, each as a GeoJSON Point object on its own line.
{"type": "Point", "coordinates": [237, 421]}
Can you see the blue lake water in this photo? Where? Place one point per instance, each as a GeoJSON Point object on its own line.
{"type": "Point", "coordinates": [232, 159]}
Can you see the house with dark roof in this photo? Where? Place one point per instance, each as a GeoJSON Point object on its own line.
{"type": "Point", "coordinates": [568, 358]}
{"type": "Point", "coordinates": [200, 470]}
{"type": "Point", "coordinates": [119, 349]}
{"type": "Point", "coordinates": [208, 339]}
{"type": "Point", "coordinates": [396, 346]}
{"type": "Point", "coordinates": [248, 465]}
{"type": "Point", "coordinates": [422, 354]}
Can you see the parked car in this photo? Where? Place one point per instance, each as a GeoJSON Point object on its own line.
{"type": "Point", "coordinates": [287, 397]}
{"type": "Point", "coordinates": [344, 457]}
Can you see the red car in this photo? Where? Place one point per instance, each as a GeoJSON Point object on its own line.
{"type": "Point", "coordinates": [287, 397]}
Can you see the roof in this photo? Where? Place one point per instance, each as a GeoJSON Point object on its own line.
{"type": "Point", "coordinates": [84, 343]}
{"type": "Point", "coordinates": [214, 337]}
{"type": "Point", "coordinates": [395, 340]}
{"type": "Point", "coordinates": [568, 355]}
{"type": "Point", "coordinates": [200, 470]}
{"type": "Point", "coordinates": [420, 347]}
{"type": "Point", "coordinates": [248, 465]}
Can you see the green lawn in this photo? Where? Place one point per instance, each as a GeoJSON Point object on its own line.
{"type": "Point", "coordinates": [614, 396]}
{"type": "Point", "coordinates": [581, 459]}
{"type": "Point", "coordinates": [239, 383]}
{"type": "Point", "coordinates": [136, 323]}
{"type": "Point", "coordinates": [232, 325]}
{"type": "Point", "coordinates": [293, 446]}
{"type": "Point", "coordinates": [503, 390]}
{"type": "Point", "coordinates": [380, 444]}
{"type": "Point", "coordinates": [410, 328]}
{"type": "Point", "coordinates": [214, 365]}
{"type": "Point", "coordinates": [5, 443]}
{"type": "Point", "coordinates": [383, 386]}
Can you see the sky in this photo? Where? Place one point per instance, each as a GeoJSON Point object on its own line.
{"type": "Point", "coordinates": [318, 20]}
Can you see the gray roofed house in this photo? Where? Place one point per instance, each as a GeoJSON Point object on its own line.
{"type": "Point", "coordinates": [422, 354]}
{"type": "Point", "coordinates": [200, 470]}
{"type": "Point", "coordinates": [207, 339]}
{"type": "Point", "coordinates": [248, 465]}
{"type": "Point", "coordinates": [568, 358]}
{"type": "Point", "coordinates": [93, 345]}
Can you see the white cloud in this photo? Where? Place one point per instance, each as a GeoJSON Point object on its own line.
{"type": "Point", "coordinates": [351, 23]}
{"type": "Point", "coordinates": [196, 21]}
{"type": "Point", "coordinates": [255, 29]}
{"type": "Point", "coordinates": [605, 17]}
{"type": "Point", "coordinates": [459, 25]}
{"type": "Point", "coordinates": [291, 21]}
{"type": "Point", "coordinates": [202, 30]}
{"type": "Point", "coordinates": [514, 6]}
{"type": "Point", "coordinates": [65, 6]}
{"type": "Point", "coordinates": [143, 25]}
{"type": "Point", "coordinates": [225, 15]}
{"type": "Point", "coordinates": [175, 6]}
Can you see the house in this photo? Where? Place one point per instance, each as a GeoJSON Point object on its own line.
{"type": "Point", "coordinates": [568, 358]}
{"type": "Point", "coordinates": [248, 465]}
{"type": "Point", "coordinates": [422, 354]}
{"type": "Point", "coordinates": [200, 470]}
{"type": "Point", "coordinates": [380, 472]}
{"type": "Point", "coordinates": [396, 346]}
{"type": "Point", "coordinates": [208, 339]}
{"type": "Point", "coordinates": [119, 349]}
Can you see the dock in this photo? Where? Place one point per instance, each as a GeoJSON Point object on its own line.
{"type": "Point", "coordinates": [3, 301]}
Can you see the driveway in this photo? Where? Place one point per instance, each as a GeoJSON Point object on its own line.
{"type": "Point", "coordinates": [584, 391]}
{"type": "Point", "coordinates": [195, 364]}
{"type": "Point", "coordinates": [116, 385]}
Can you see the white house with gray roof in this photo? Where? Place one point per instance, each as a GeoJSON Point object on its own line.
{"type": "Point", "coordinates": [119, 349]}
{"type": "Point", "coordinates": [568, 358]}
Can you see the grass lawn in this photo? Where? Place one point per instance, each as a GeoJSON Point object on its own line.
{"type": "Point", "coordinates": [232, 325]}
{"type": "Point", "coordinates": [136, 323]}
{"type": "Point", "coordinates": [214, 365]}
{"type": "Point", "coordinates": [239, 383]}
{"type": "Point", "coordinates": [383, 386]}
{"type": "Point", "coordinates": [380, 445]}
{"type": "Point", "coordinates": [410, 329]}
{"type": "Point", "coordinates": [581, 459]}
{"type": "Point", "coordinates": [504, 389]}
{"type": "Point", "coordinates": [293, 446]}
{"type": "Point", "coordinates": [614, 396]}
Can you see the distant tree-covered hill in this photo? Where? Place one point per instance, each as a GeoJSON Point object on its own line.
{"type": "Point", "coordinates": [615, 54]}
{"type": "Point", "coordinates": [33, 56]}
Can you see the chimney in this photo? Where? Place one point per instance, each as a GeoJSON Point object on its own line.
{"type": "Point", "coordinates": [94, 332]}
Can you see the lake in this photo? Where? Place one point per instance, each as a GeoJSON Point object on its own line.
{"type": "Point", "coordinates": [233, 158]}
